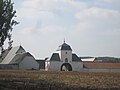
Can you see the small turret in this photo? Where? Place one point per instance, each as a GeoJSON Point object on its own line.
{"type": "Point", "coordinates": [65, 52]}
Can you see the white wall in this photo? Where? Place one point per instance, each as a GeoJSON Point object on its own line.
{"type": "Point", "coordinates": [28, 63]}
{"type": "Point", "coordinates": [101, 70]}
{"type": "Point", "coordinates": [77, 66]}
{"type": "Point", "coordinates": [56, 66]}
{"type": "Point", "coordinates": [114, 70]}
{"type": "Point", "coordinates": [47, 65]}
{"type": "Point", "coordinates": [64, 55]}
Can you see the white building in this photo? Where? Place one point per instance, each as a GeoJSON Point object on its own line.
{"type": "Point", "coordinates": [17, 58]}
{"type": "Point", "coordinates": [64, 60]}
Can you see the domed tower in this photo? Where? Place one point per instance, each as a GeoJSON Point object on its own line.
{"type": "Point", "coordinates": [65, 52]}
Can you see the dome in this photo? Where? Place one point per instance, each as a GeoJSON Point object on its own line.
{"type": "Point", "coordinates": [64, 46]}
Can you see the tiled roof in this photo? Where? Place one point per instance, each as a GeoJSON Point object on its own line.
{"type": "Point", "coordinates": [19, 57]}
{"type": "Point", "coordinates": [101, 65]}
{"type": "Point", "coordinates": [4, 54]}
{"type": "Point", "coordinates": [64, 46]}
{"type": "Point", "coordinates": [75, 58]}
{"type": "Point", "coordinates": [11, 54]}
{"type": "Point", "coordinates": [55, 57]}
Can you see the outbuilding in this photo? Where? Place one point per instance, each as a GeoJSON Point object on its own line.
{"type": "Point", "coordinates": [16, 58]}
{"type": "Point", "coordinates": [64, 60]}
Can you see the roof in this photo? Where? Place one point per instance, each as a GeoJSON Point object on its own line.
{"type": "Point", "coordinates": [9, 54]}
{"type": "Point", "coordinates": [4, 54]}
{"type": "Point", "coordinates": [64, 46]}
{"type": "Point", "coordinates": [88, 59]}
{"type": "Point", "coordinates": [55, 57]}
{"type": "Point", "coordinates": [75, 57]}
{"type": "Point", "coordinates": [101, 65]}
{"type": "Point", "coordinates": [19, 57]}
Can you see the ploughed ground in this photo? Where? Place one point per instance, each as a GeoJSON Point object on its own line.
{"type": "Point", "coordinates": [48, 80]}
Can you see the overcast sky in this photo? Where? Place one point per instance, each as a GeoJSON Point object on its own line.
{"type": "Point", "coordinates": [90, 27]}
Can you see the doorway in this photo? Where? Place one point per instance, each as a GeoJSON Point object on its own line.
{"type": "Point", "coordinates": [66, 67]}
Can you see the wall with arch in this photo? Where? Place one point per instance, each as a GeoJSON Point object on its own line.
{"type": "Point", "coordinates": [56, 66]}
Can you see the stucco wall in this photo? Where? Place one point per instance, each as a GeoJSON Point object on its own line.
{"type": "Point", "coordinates": [28, 63]}
{"type": "Point", "coordinates": [8, 67]}
{"type": "Point", "coordinates": [114, 70]}
{"type": "Point", "coordinates": [56, 66]}
{"type": "Point", "coordinates": [77, 66]}
{"type": "Point", "coordinates": [101, 70]}
{"type": "Point", "coordinates": [66, 54]}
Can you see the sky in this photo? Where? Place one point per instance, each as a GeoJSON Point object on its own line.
{"type": "Point", "coordinates": [90, 27]}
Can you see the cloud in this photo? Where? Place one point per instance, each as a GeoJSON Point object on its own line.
{"type": "Point", "coordinates": [92, 18]}
{"type": "Point", "coordinates": [41, 42]}
{"type": "Point", "coordinates": [49, 12]}
{"type": "Point", "coordinates": [110, 1]}
{"type": "Point", "coordinates": [33, 8]}
{"type": "Point", "coordinates": [34, 14]}
{"type": "Point", "coordinates": [89, 28]}
{"type": "Point", "coordinates": [98, 13]}
{"type": "Point", "coordinates": [98, 29]}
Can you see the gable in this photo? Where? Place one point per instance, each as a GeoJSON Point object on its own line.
{"type": "Point", "coordinates": [11, 54]}
{"type": "Point", "coordinates": [28, 63]}
{"type": "Point", "coordinates": [20, 50]}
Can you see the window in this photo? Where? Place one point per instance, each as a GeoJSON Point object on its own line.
{"type": "Point", "coordinates": [66, 59]}
{"type": "Point", "coordinates": [66, 52]}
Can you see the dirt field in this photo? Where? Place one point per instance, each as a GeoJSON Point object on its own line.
{"type": "Point", "coordinates": [42, 80]}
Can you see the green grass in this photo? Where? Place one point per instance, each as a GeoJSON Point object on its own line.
{"type": "Point", "coordinates": [75, 80]}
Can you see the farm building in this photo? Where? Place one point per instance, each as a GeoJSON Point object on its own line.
{"type": "Point", "coordinates": [41, 64]}
{"type": "Point", "coordinates": [16, 58]}
{"type": "Point", "coordinates": [64, 60]}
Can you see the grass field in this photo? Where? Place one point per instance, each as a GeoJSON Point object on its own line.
{"type": "Point", "coordinates": [44, 80]}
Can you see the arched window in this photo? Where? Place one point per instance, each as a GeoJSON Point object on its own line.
{"type": "Point", "coordinates": [66, 59]}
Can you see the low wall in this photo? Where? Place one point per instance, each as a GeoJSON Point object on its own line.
{"type": "Point", "coordinates": [77, 66]}
{"type": "Point", "coordinates": [8, 67]}
{"type": "Point", "coordinates": [101, 70]}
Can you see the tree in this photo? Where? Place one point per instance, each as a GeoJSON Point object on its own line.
{"type": "Point", "coordinates": [6, 22]}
